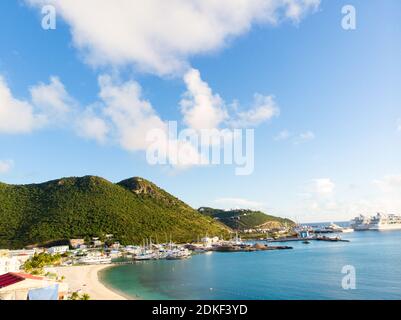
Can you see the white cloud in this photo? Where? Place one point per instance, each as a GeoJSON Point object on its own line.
{"type": "Point", "coordinates": [200, 107]}
{"type": "Point", "coordinates": [159, 36]}
{"type": "Point", "coordinates": [282, 135]}
{"type": "Point", "coordinates": [48, 104]}
{"type": "Point", "coordinates": [91, 126]}
{"type": "Point", "coordinates": [295, 138]}
{"type": "Point", "coordinates": [390, 183]}
{"type": "Point", "coordinates": [6, 166]}
{"type": "Point", "coordinates": [321, 204]}
{"type": "Point", "coordinates": [239, 203]}
{"type": "Point", "coordinates": [132, 116]}
{"type": "Point", "coordinates": [132, 119]}
{"type": "Point", "coordinates": [16, 116]}
{"type": "Point", "coordinates": [323, 186]}
{"type": "Point", "coordinates": [264, 108]}
{"type": "Point", "coordinates": [304, 137]}
{"type": "Point", "coordinates": [52, 100]}
{"type": "Point", "coordinates": [203, 109]}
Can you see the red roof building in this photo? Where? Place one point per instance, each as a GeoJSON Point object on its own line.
{"type": "Point", "coordinates": [15, 286]}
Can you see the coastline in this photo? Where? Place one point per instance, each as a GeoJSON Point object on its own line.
{"type": "Point", "coordinates": [87, 279]}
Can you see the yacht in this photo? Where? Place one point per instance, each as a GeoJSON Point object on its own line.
{"type": "Point", "coordinates": [336, 228]}
{"type": "Point", "coordinates": [95, 260]}
{"type": "Point", "coordinates": [178, 254]}
{"type": "Point", "coordinates": [144, 256]}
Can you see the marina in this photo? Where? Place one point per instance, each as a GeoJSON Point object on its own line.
{"type": "Point", "coordinates": [310, 271]}
{"type": "Point", "coordinates": [323, 240]}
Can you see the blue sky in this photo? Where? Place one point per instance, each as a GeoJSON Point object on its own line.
{"type": "Point", "coordinates": [338, 93]}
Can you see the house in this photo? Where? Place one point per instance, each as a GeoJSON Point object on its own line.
{"type": "Point", "coordinates": [58, 249]}
{"type": "Point", "coordinates": [25, 252]}
{"type": "Point", "coordinates": [77, 243]}
{"type": "Point", "coordinates": [115, 245]}
{"type": "Point", "coordinates": [208, 242]}
{"type": "Point", "coordinates": [97, 243]}
{"type": "Point", "coordinates": [17, 286]}
{"type": "Point", "coordinates": [9, 264]}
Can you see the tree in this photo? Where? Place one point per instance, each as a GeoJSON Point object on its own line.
{"type": "Point", "coordinates": [85, 296]}
{"type": "Point", "coordinates": [74, 296]}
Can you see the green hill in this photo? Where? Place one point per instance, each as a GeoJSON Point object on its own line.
{"type": "Point", "coordinates": [131, 210]}
{"type": "Point", "coordinates": [246, 219]}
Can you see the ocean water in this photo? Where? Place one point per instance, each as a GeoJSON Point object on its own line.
{"type": "Point", "coordinates": [309, 271]}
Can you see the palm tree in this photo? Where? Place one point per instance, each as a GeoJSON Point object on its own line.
{"type": "Point", "coordinates": [74, 296]}
{"type": "Point", "coordinates": [85, 296]}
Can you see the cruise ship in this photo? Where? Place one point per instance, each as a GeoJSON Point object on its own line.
{"type": "Point", "coordinates": [379, 222]}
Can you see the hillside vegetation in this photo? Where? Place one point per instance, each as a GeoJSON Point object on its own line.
{"type": "Point", "coordinates": [246, 219]}
{"type": "Point", "coordinates": [132, 210]}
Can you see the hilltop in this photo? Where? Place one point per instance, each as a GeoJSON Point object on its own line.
{"type": "Point", "coordinates": [66, 208]}
{"type": "Point", "coordinates": [246, 219]}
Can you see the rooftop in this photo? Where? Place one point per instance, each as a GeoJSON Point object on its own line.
{"type": "Point", "coordinates": [11, 278]}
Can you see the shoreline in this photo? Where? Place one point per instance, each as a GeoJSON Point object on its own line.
{"type": "Point", "coordinates": [87, 279]}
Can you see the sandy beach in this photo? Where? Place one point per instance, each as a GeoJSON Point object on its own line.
{"type": "Point", "coordinates": [85, 279]}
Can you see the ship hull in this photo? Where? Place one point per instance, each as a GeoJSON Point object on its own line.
{"type": "Point", "coordinates": [386, 227]}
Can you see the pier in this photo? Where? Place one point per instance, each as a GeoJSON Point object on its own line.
{"type": "Point", "coordinates": [308, 239]}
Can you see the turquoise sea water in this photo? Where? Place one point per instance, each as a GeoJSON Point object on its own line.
{"type": "Point", "coordinates": [307, 272]}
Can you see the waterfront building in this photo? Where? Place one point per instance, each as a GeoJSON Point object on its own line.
{"type": "Point", "coordinates": [77, 243]}
{"type": "Point", "coordinates": [16, 286]}
{"type": "Point", "coordinates": [58, 249]}
{"type": "Point", "coordinates": [9, 264]}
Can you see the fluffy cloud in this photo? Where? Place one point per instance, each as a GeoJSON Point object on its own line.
{"type": "Point", "coordinates": [200, 107]}
{"type": "Point", "coordinates": [159, 36]}
{"type": "Point", "coordinates": [52, 99]}
{"type": "Point", "coordinates": [133, 120]}
{"type": "Point", "coordinates": [16, 116]}
{"type": "Point", "coordinates": [132, 116]}
{"type": "Point", "coordinates": [321, 204]}
{"type": "Point", "coordinates": [203, 109]}
{"type": "Point", "coordinates": [263, 109]}
{"type": "Point", "coordinates": [49, 104]}
{"type": "Point", "coordinates": [91, 126]}
{"type": "Point", "coordinates": [6, 166]}
{"type": "Point", "coordinates": [323, 186]}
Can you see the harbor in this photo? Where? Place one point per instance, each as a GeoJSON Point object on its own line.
{"type": "Point", "coordinates": [268, 274]}
{"type": "Point", "coordinates": [69, 264]}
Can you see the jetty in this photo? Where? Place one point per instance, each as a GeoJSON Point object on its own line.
{"type": "Point", "coordinates": [313, 238]}
{"type": "Point", "coordinates": [247, 248]}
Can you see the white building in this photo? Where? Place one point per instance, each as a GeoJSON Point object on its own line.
{"type": "Point", "coordinates": [9, 264]}
{"type": "Point", "coordinates": [58, 249]}
{"type": "Point", "coordinates": [208, 242]}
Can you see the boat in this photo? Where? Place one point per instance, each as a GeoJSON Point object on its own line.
{"type": "Point", "coordinates": [333, 228]}
{"type": "Point", "coordinates": [95, 260]}
{"type": "Point", "coordinates": [336, 228]}
{"type": "Point", "coordinates": [144, 256]}
{"type": "Point", "coordinates": [306, 242]}
{"type": "Point", "coordinates": [379, 222]}
{"type": "Point", "coordinates": [178, 254]}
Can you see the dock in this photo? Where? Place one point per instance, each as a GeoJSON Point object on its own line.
{"type": "Point", "coordinates": [308, 239]}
